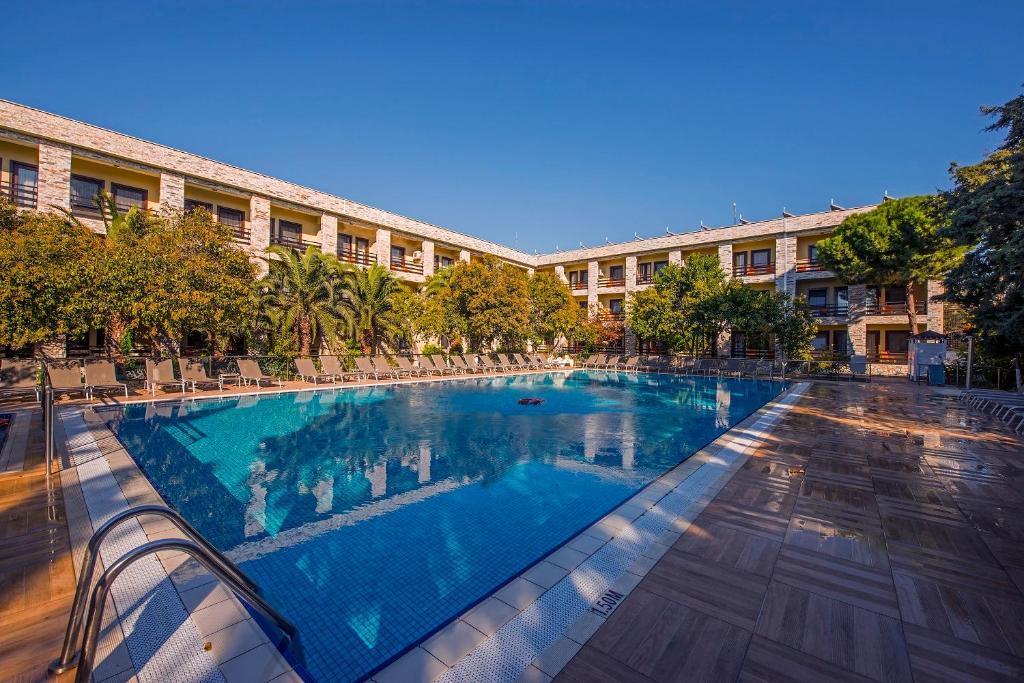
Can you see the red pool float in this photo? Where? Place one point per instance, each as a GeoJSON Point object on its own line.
{"type": "Point", "coordinates": [530, 401]}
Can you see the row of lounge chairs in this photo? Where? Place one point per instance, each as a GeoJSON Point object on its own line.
{"type": "Point", "coordinates": [737, 367]}
{"type": "Point", "coordinates": [1007, 406]}
{"type": "Point", "coordinates": [21, 377]}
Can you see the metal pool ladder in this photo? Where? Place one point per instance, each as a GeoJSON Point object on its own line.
{"type": "Point", "coordinates": [195, 545]}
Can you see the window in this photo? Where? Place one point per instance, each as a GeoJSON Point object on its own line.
{"type": "Point", "coordinates": [126, 197]}
{"type": "Point", "coordinates": [896, 341]}
{"type": "Point", "coordinates": [643, 272]}
{"type": "Point", "coordinates": [84, 192]}
{"type": "Point", "coordinates": [820, 341]}
{"type": "Point", "coordinates": [817, 298]}
{"type": "Point", "coordinates": [234, 219]}
{"type": "Point", "coordinates": [583, 305]}
{"type": "Point", "coordinates": [362, 245]}
{"type": "Point", "coordinates": [24, 181]}
{"type": "Point", "coordinates": [615, 273]}
{"type": "Point", "coordinates": [840, 343]}
{"type": "Point", "coordinates": [658, 265]}
{"type": "Point", "coordinates": [398, 255]}
{"type": "Point", "coordinates": [441, 262]}
{"type": "Point", "coordinates": [192, 204]}
{"type": "Point", "coordinates": [760, 258]}
{"type": "Point", "coordinates": [842, 299]}
{"type": "Point", "coordinates": [578, 278]}
{"type": "Point", "coordinates": [812, 253]}
{"type": "Point", "coordinates": [739, 262]}
{"type": "Point", "coordinates": [739, 345]}
{"type": "Point", "coordinates": [895, 296]}
{"type": "Point", "coordinates": [615, 306]}
{"type": "Point", "coordinates": [287, 233]}
{"type": "Point", "coordinates": [344, 243]}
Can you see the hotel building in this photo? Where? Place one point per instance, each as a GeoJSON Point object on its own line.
{"type": "Point", "coordinates": [50, 161]}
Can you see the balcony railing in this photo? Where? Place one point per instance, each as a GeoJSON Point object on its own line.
{"type": "Point", "coordinates": [20, 194]}
{"type": "Point", "coordinates": [83, 207]}
{"type": "Point", "coordinates": [359, 257]}
{"type": "Point", "coordinates": [830, 311]}
{"type": "Point", "coordinates": [239, 233]}
{"type": "Point", "coordinates": [756, 354]}
{"type": "Point", "coordinates": [878, 308]}
{"type": "Point", "coordinates": [746, 271]}
{"type": "Point", "coordinates": [406, 266]}
{"type": "Point", "coordinates": [610, 316]}
{"type": "Point", "coordinates": [611, 282]}
{"type": "Point", "coordinates": [578, 284]}
{"type": "Point", "coordinates": [808, 265]}
{"type": "Point", "coordinates": [644, 278]}
{"type": "Point", "coordinates": [287, 241]}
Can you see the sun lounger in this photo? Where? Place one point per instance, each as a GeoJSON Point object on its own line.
{"type": "Point", "coordinates": [384, 367]}
{"type": "Point", "coordinates": [249, 370]}
{"type": "Point", "coordinates": [66, 378]}
{"type": "Point", "coordinates": [461, 365]}
{"type": "Point", "coordinates": [406, 366]}
{"type": "Point", "coordinates": [631, 363]}
{"type": "Point", "coordinates": [307, 372]}
{"type": "Point", "coordinates": [489, 365]}
{"type": "Point", "coordinates": [100, 374]}
{"type": "Point", "coordinates": [441, 365]}
{"type": "Point", "coordinates": [508, 362]}
{"type": "Point", "coordinates": [193, 372]}
{"type": "Point", "coordinates": [161, 374]}
{"type": "Point", "coordinates": [525, 361]}
{"type": "Point", "coordinates": [19, 378]}
{"type": "Point", "coordinates": [610, 361]}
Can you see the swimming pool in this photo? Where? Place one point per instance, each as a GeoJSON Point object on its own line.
{"type": "Point", "coordinates": [372, 516]}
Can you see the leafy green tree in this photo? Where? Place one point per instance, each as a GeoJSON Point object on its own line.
{"type": "Point", "coordinates": [651, 316]}
{"type": "Point", "coordinates": [553, 311]}
{"type": "Point", "coordinates": [772, 315]}
{"type": "Point", "coordinates": [901, 242]}
{"type": "Point", "coordinates": [175, 275]}
{"type": "Point", "coordinates": [370, 305]}
{"type": "Point", "coordinates": [50, 266]}
{"type": "Point", "coordinates": [986, 215]}
{"type": "Point", "coordinates": [303, 290]}
{"type": "Point", "coordinates": [489, 302]}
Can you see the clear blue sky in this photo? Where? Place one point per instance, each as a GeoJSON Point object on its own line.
{"type": "Point", "coordinates": [538, 124]}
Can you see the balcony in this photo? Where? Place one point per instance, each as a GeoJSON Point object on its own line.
{"type": "Point", "coordinates": [406, 266]}
{"type": "Point", "coordinates": [578, 284]}
{"type": "Point", "coordinates": [808, 265]}
{"type": "Point", "coordinates": [644, 278]}
{"type": "Point", "coordinates": [19, 194]}
{"type": "Point", "coordinates": [290, 241]}
{"type": "Point", "coordinates": [611, 282]}
{"type": "Point", "coordinates": [360, 257]}
{"type": "Point", "coordinates": [878, 308]}
{"type": "Point", "coordinates": [834, 310]}
{"type": "Point", "coordinates": [239, 233]}
{"type": "Point", "coordinates": [747, 271]}
{"type": "Point", "coordinates": [611, 316]}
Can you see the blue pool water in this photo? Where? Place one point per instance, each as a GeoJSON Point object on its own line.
{"type": "Point", "coordinates": [370, 517]}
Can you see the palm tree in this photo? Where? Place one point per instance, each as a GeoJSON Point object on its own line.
{"type": "Point", "coordinates": [368, 305]}
{"type": "Point", "coordinates": [303, 291]}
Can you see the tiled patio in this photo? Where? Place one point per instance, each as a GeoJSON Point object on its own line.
{"type": "Point", "coordinates": [877, 536]}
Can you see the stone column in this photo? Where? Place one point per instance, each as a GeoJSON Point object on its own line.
{"type": "Point", "coordinates": [464, 255]}
{"type": "Point", "coordinates": [785, 264]}
{"type": "Point", "coordinates": [935, 323]}
{"type": "Point", "coordinates": [593, 273]}
{"type": "Point", "coordinates": [172, 193]}
{"type": "Point", "coordinates": [560, 274]}
{"type": "Point", "coordinates": [529, 272]}
{"type": "Point", "coordinates": [629, 340]}
{"type": "Point", "coordinates": [857, 328]}
{"type": "Point", "coordinates": [629, 272]}
{"type": "Point", "coordinates": [328, 233]}
{"type": "Point", "coordinates": [725, 258]}
{"type": "Point", "coordinates": [675, 256]}
{"type": "Point", "coordinates": [427, 251]}
{"type": "Point", "coordinates": [383, 247]}
{"type": "Point", "coordinates": [54, 176]}
{"type": "Point", "coordinates": [259, 222]}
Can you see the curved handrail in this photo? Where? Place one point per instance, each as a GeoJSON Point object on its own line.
{"type": "Point", "coordinates": [211, 562]}
{"type": "Point", "coordinates": [68, 655]}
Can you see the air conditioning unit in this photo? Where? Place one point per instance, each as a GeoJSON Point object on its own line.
{"type": "Point", "coordinates": [417, 256]}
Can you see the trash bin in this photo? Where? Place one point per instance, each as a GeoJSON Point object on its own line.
{"type": "Point", "coordinates": [936, 375]}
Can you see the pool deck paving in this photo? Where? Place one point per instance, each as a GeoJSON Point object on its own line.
{"type": "Point", "coordinates": [877, 533]}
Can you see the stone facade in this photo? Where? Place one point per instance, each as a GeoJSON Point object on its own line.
{"type": "Point", "coordinates": [593, 273]}
{"type": "Point", "coordinates": [464, 255]}
{"type": "Point", "coordinates": [428, 258]}
{"type": "Point", "coordinates": [856, 329]}
{"type": "Point", "coordinates": [560, 273]}
{"type": "Point", "coordinates": [259, 222]}
{"type": "Point", "coordinates": [725, 257]}
{"type": "Point", "coordinates": [172, 193]}
{"type": "Point", "coordinates": [384, 247]}
{"type": "Point", "coordinates": [935, 308]}
{"type": "Point", "coordinates": [328, 233]}
{"type": "Point", "coordinates": [675, 256]}
{"type": "Point", "coordinates": [54, 176]}
{"type": "Point", "coordinates": [785, 264]}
